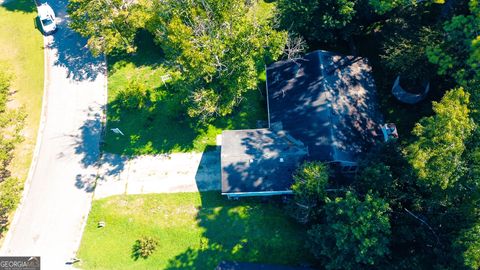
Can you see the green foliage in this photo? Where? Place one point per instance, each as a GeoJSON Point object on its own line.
{"type": "Point", "coordinates": [135, 96]}
{"type": "Point", "coordinates": [310, 178]}
{"type": "Point", "coordinates": [384, 6]}
{"type": "Point", "coordinates": [310, 181]}
{"type": "Point", "coordinates": [458, 54]}
{"type": "Point", "coordinates": [109, 25]}
{"type": "Point", "coordinates": [377, 176]}
{"type": "Point", "coordinates": [11, 124]}
{"type": "Point", "coordinates": [144, 247]}
{"type": "Point", "coordinates": [405, 55]}
{"type": "Point", "coordinates": [160, 124]}
{"type": "Point", "coordinates": [355, 233]}
{"type": "Point", "coordinates": [10, 190]}
{"type": "Point", "coordinates": [468, 244]}
{"type": "Point", "coordinates": [318, 20]}
{"type": "Point", "coordinates": [436, 154]}
{"type": "Point", "coordinates": [220, 47]}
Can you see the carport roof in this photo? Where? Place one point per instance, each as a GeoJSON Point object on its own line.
{"type": "Point", "coordinates": [259, 160]}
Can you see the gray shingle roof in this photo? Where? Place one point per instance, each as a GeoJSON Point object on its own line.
{"type": "Point", "coordinates": [327, 101]}
{"type": "Point", "coordinates": [258, 160]}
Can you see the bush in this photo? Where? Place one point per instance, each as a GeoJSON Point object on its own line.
{"type": "Point", "coordinates": [11, 124]}
{"type": "Point", "coordinates": [135, 96]}
{"type": "Point", "coordinates": [10, 190]}
{"type": "Point", "coordinates": [144, 247]}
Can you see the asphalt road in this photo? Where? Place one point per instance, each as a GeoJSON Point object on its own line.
{"type": "Point", "coordinates": [57, 200]}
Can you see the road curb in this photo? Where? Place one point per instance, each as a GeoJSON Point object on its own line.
{"type": "Point", "coordinates": [103, 120]}
{"type": "Point", "coordinates": [36, 151]}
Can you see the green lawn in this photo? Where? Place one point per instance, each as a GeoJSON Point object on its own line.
{"type": "Point", "coordinates": [161, 126]}
{"type": "Point", "coordinates": [194, 230]}
{"type": "Point", "coordinates": [21, 53]}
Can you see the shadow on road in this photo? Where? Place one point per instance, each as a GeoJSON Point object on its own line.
{"type": "Point", "coordinates": [87, 145]}
{"type": "Point", "coordinates": [72, 50]}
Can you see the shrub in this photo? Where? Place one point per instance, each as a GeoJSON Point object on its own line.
{"type": "Point", "coordinates": [144, 247]}
{"type": "Point", "coordinates": [135, 96]}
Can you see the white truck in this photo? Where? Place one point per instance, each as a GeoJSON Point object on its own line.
{"type": "Point", "coordinates": [47, 18]}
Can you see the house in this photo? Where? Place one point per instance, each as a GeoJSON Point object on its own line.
{"type": "Point", "coordinates": [320, 107]}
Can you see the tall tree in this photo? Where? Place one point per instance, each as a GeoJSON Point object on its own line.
{"type": "Point", "coordinates": [436, 155]}
{"type": "Point", "coordinates": [384, 6]}
{"type": "Point", "coordinates": [109, 25]}
{"type": "Point", "coordinates": [355, 233]}
{"type": "Point", "coordinates": [467, 244]}
{"type": "Point", "coordinates": [310, 182]}
{"type": "Point", "coordinates": [405, 54]}
{"type": "Point", "coordinates": [458, 54]}
{"type": "Point", "coordinates": [318, 20]}
{"type": "Point", "coordinates": [219, 46]}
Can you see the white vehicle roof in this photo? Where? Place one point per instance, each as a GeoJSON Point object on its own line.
{"type": "Point", "coordinates": [45, 11]}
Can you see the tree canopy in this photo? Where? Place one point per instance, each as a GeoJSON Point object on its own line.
{"type": "Point", "coordinates": [310, 182]}
{"type": "Point", "coordinates": [458, 53]}
{"type": "Point", "coordinates": [355, 233]}
{"type": "Point", "coordinates": [219, 48]}
{"type": "Point", "coordinates": [436, 155]}
{"type": "Point", "coordinates": [318, 20]}
{"type": "Point", "coordinates": [109, 25]}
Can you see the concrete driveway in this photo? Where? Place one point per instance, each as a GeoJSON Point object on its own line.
{"type": "Point", "coordinates": [169, 173]}
{"type": "Point", "coordinates": [50, 219]}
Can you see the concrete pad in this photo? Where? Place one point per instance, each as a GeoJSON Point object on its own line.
{"type": "Point", "coordinates": [178, 172]}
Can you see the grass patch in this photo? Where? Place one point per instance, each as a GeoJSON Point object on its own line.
{"type": "Point", "coordinates": [162, 126]}
{"type": "Point", "coordinates": [21, 54]}
{"type": "Point", "coordinates": [193, 230]}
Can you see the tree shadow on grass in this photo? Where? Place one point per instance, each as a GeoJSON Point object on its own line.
{"type": "Point", "coordinates": [163, 126]}
{"type": "Point", "coordinates": [155, 129]}
{"type": "Point", "coordinates": [148, 53]}
{"type": "Point", "coordinates": [249, 230]}
{"type": "Point", "coordinates": [26, 6]}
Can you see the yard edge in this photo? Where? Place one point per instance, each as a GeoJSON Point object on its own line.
{"type": "Point", "coordinates": [33, 164]}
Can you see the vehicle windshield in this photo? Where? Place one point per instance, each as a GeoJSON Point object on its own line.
{"type": "Point", "coordinates": [47, 21]}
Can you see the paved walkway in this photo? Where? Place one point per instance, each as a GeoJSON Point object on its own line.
{"type": "Point", "coordinates": [187, 172]}
{"type": "Point", "coordinates": [50, 219]}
